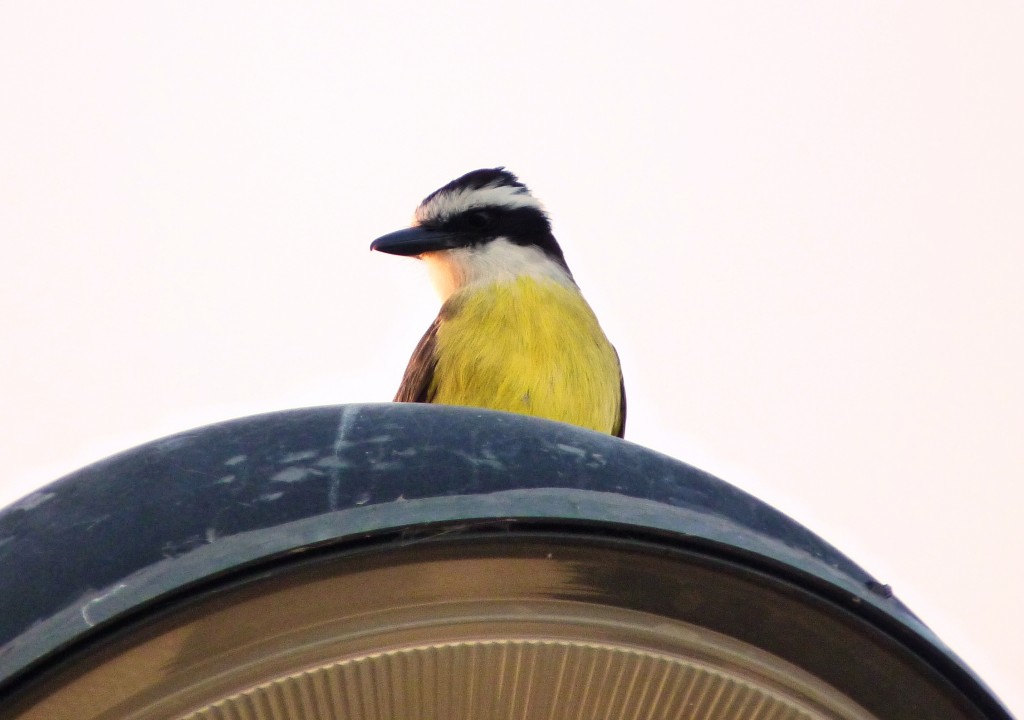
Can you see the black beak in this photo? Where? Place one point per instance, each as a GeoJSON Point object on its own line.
{"type": "Point", "coordinates": [416, 241]}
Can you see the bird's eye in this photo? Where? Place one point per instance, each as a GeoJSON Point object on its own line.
{"type": "Point", "coordinates": [478, 219]}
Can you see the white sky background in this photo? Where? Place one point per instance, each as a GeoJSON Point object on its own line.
{"type": "Point", "coordinates": [801, 223]}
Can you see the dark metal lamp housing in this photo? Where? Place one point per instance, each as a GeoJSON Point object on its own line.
{"type": "Point", "coordinates": [407, 562]}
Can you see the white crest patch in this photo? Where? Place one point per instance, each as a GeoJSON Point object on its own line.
{"type": "Point", "coordinates": [447, 204]}
{"type": "Point", "coordinates": [496, 261]}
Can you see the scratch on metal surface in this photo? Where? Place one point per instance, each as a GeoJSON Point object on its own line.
{"type": "Point", "coordinates": [90, 606]}
{"type": "Point", "coordinates": [571, 450]}
{"type": "Point", "coordinates": [294, 474]}
{"type": "Point", "coordinates": [297, 456]}
{"type": "Point", "coordinates": [346, 420]}
{"type": "Point", "coordinates": [32, 501]}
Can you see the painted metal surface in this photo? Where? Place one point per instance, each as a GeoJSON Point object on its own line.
{"type": "Point", "coordinates": [123, 532]}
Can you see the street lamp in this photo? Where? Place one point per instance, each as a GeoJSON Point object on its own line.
{"type": "Point", "coordinates": [421, 561]}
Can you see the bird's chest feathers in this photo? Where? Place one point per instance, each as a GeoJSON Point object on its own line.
{"type": "Point", "coordinates": [528, 345]}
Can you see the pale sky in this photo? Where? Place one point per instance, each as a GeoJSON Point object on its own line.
{"type": "Point", "coordinates": [801, 223]}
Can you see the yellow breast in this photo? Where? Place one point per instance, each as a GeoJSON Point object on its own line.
{"type": "Point", "coordinates": [530, 346]}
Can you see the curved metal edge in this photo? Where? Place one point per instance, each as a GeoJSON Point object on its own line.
{"type": "Point", "coordinates": [422, 520]}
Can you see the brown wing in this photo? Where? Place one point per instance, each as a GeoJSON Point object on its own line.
{"type": "Point", "coordinates": [619, 429]}
{"type": "Point", "coordinates": [419, 373]}
{"type": "Point", "coordinates": [620, 425]}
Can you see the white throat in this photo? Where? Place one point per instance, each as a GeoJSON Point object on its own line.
{"type": "Point", "coordinates": [496, 261]}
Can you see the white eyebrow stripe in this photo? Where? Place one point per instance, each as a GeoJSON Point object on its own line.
{"type": "Point", "coordinates": [448, 204]}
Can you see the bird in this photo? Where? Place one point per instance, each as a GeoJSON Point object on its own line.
{"type": "Point", "coordinates": [514, 332]}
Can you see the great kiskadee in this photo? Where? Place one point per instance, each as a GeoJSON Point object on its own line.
{"type": "Point", "coordinates": [514, 333]}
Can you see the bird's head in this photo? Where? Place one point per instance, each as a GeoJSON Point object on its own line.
{"type": "Point", "coordinates": [480, 228]}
